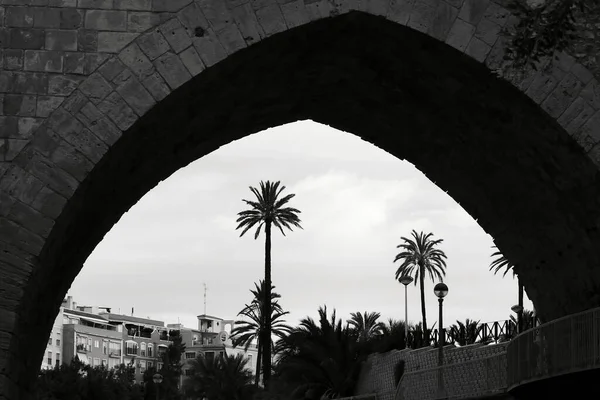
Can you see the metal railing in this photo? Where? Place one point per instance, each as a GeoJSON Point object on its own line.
{"type": "Point", "coordinates": [565, 345]}
{"type": "Point", "coordinates": [473, 378]}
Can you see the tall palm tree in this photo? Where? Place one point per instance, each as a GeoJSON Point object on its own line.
{"type": "Point", "coordinates": [366, 325]}
{"type": "Point", "coordinates": [248, 331]}
{"type": "Point", "coordinates": [499, 263]}
{"type": "Point", "coordinates": [268, 210]}
{"type": "Point", "coordinates": [419, 255]}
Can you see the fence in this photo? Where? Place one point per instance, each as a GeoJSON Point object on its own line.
{"type": "Point", "coordinates": [481, 377]}
{"type": "Point", "coordinates": [567, 344]}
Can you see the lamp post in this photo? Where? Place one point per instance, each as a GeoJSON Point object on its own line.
{"type": "Point", "coordinates": [157, 378]}
{"type": "Point", "coordinates": [517, 309]}
{"type": "Point", "coordinates": [441, 290]}
{"type": "Point", "coordinates": [406, 280]}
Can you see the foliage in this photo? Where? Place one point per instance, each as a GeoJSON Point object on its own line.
{"type": "Point", "coordinates": [419, 255]}
{"type": "Point", "coordinates": [465, 333]}
{"type": "Point", "coordinates": [392, 337]}
{"type": "Point", "coordinates": [171, 371]}
{"type": "Point", "coordinates": [365, 325]}
{"type": "Point", "coordinates": [321, 360]}
{"type": "Point", "coordinates": [248, 331]}
{"type": "Point", "coordinates": [529, 319]}
{"type": "Point", "coordinates": [268, 210]}
{"type": "Point", "coordinates": [78, 381]}
{"type": "Point", "coordinates": [500, 262]}
{"type": "Point", "coordinates": [543, 28]}
{"type": "Point", "coordinates": [220, 378]}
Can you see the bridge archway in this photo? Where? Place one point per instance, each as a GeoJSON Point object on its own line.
{"type": "Point", "coordinates": [413, 78]}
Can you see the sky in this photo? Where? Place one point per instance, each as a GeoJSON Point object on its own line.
{"type": "Point", "coordinates": [357, 201]}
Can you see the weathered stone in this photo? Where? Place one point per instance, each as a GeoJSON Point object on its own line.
{"type": "Point", "coordinates": [591, 93]}
{"type": "Point", "coordinates": [137, 5]}
{"type": "Point", "coordinates": [170, 67]}
{"type": "Point", "coordinates": [43, 61]}
{"type": "Point", "coordinates": [134, 93]}
{"type": "Point", "coordinates": [49, 203]}
{"type": "Point", "coordinates": [61, 40]}
{"type": "Point", "coordinates": [209, 48]}
{"type": "Point", "coordinates": [87, 40]}
{"type": "Point", "coordinates": [248, 23]}
{"type": "Point", "coordinates": [192, 17]}
{"type": "Point", "coordinates": [96, 4]}
{"type": "Point", "coordinates": [13, 59]}
{"type": "Point", "coordinates": [27, 82]}
{"type": "Point", "coordinates": [271, 20]}
{"type": "Point", "coordinates": [20, 17]}
{"type": "Point", "coordinates": [71, 18]}
{"type": "Point", "coordinates": [136, 60]}
{"type": "Point", "coordinates": [156, 86]}
{"type": "Point", "coordinates": [192, 61]}
{"type": "Point", "coordinates": [175, 34]}
{"type": "Point", "coordinates": [111, 68]}
{"type": "Point", "coordinates": [45, 17]}
{"type": "Point", "coordinates": [23, 105]}
{"type": "Point", "coordinates": [141, 21]}
{"type": "Point", "coordinates": [460, 35]}
{"type": "Point", "coordinates": [95, 87]}
{"type": "Point", "coordinates": [169, 5]}
{"type": "Point", "coordinates": [562, 96]}
{"type": "Point", "coordinates": [47, 104]}
{"type": "Point", "coordinates": [473, 10]}
{"type": "Point", "coordinates": [95, 121]}
{"type": "Point", "coordinates": [20, 185]}
{"type": "Point", "coordinates": [74, 63]}
{"type": "Point", "coordinates": [153, 44]}
{"type": "Point", "coordinates": [94, 60]}
{"type": "Point", "coordinates": [74, 102]}
{"type": "Point", "coordinates": [477, 49]}
{"type": "Point", "coordinates": [113, 42]}
{"type": "Point", "coordinates": [31, 219]}
{"type": "Point", "coordinates": [27, 39]}
{"type": "Point", "coordinates": [103, 20]}
{"type": "Point", "coordinates": [118, 111]}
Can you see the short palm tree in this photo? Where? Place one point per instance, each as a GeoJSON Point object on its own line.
{"type": "Point", "coordinates": [268, 210]}
{"type": "Point", "coordinates": [248, 331]}
{"type": "Point", "coordinates": [419, 255]}
{"type": "Point", "coordinates": [365, 325]}
{"type": "Point", "coordinates": [499, 263]}
{"type": "Point", "coordinates": [465, 333]}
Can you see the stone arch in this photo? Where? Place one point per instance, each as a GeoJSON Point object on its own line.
{"type": "Point", "coordinates": [85, 88]}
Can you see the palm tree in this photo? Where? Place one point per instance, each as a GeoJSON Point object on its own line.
{"type": "Point", "coordinates": [220, 378]}
{"type": "Point", "coordinates": [501, 262]}
{"type": "Point", "coordinates": [268, 210]}
{"type": "Point", "coordinates": [365, 325]}
{"type": "Point", "coordinates": [392, 337]}
{"type": "Point", "coordinates": [465, 333]}
{"type": "Point", "coordinates": [321, 360]}
{"type": "Point", "coordinates": [249, 331]}
{"type": "Point", "coordinates": [419, 255]}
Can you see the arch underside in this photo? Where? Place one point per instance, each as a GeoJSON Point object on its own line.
{"type": "Point", "coordinates": [508, 164]}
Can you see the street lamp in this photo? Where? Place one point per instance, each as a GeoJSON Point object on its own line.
{"type": "Point", "coordinates": [518, 309]}
{"type": "Point", "coordinates": [405, 280]}
{"type": "Point", "coordinates": [441, 290]}
{"type": "Point", "coordinates": [157, 378]}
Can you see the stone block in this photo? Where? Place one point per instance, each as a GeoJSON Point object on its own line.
{"type": "Point", "coordinates": [543, 84]}
{"type": "Point", "coordinates": [141, 21]}
{"type": "Point", "coordinates": [45, 17]}
{"type": "Point", "coordinates": [444, 18]}
{"type": "Point", "coordinates": [13, 59]}
{"type": "Point", "coordinates": [591, 93]}
{"type": "Point", "coordinates": [111, 69]}
{"type": "Point", "coordinates": [62, 3]}
{"type": "Point", "coordinates": [134, 93]}
{"type": "Point", "coordinates": [271, 20]}
{"type": "Point", "coordinates": [71, 18]}
{"type": "Point", "coordinates": [175, 34]}
{"type": "Point", "coordinates": [91, 117]}
{"type": "Point", "coordinates": [31, 219]}
{"type": "Point", "coordinates": [20, 184]}
{"type": "Point", "coordinates": [43, 61]}
{"type": "Point", "coordinates": [192, 61]}
{"type": "Point", "coordinates": [118, 111]}
{"type": "Point", "coordinates": [136, 60]}
{"type": "Point", "coordinates": [47, 104]}
{"type": "Point", "coordinates": [96, 4]}
{"type": "Point", "coordinates": [79, 154]}
{"type": "Point", "coordinates": [9, 125]}
{"type": "Point", "coordinates": [57, 179]}
{"type": "Point", "coordinates": [209, 48]}
{"type": "Point", "coordinates": [488, 31]}
{"type": "Point", "coordinates": [74, 102]}
{"type": "Point", "coordinates": [63, 85]}
{"type": "Point", "coordinates": [136, 5]}
{"type": "Point", "coordinates": [61, 40]}
{"type": "Point", "coordinates": [248, 23]}
{"type": "Point", "coordinates": [74, 63]}
{"type": "Point", "coordinates": [94, 60]}
{"type": "Point", "coordinates": [231, 38]}
{"type": "Point", "coordinates": [460, 35]}
{"type": "Point", "coordinates": [576, 115]}
{"type": "Point", "coordinates": [192, 17]}
{"type": "Point", "coordinates": [153, 44]}
{"type": "Point", "coordinates": [472, 11]}
{"type": "Point", "coordinates": [562, 96]}
{"type": "Point", "coordinates": [105, 20]}
{"type": "Point", "coordinates": [95, 87]}
{"type": "Point", "coordinates": [113, 42]}
{"type": "Point", "coordinates": [26, 82]}
{"type": "Point", "coordinates": [169, 5]}
{"type": "Point", "coordinates": [400, 11]}
{"type": "Point", "coordinates": [49, 203]}
{"type": "Point", "coordinates": [21, 105]}
{"type": "Point", "coordinates": [156, 85]}
{"type": "Point", "coordinates": [477, 49]}
{"type": "Point", "coordinates": [19, 17]}
{"type": "Point", "coordinates": [87, 40]}
{"type": "Point", "coordinates": [27, 39]}
{"type": "Point", "coordinates": [171, 68]}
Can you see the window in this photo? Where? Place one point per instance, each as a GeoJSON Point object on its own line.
{"type": "Point", "coordinates": [210, 356]}
{"type": "Point", "coordinates": [221, 354]}
{"type": "Point", "coordinates": [104, 347]}
{"type": "Point", "coordinates": [112, 363]}
{"type": "Point", "coordinates": [96, 362]}
{"type": "Point", "coordinates": [57, 341]}
{"type": "Point", "coordinates": [143, 349]}
{"type": "Point", "coordinates": [114, 348]}
{"type": "Point", "coordinates": [189, 372]}
{"type": "Point", "coordinates": [210, 341]}
{"type": "Point", "coordinates": [250, 359]}
{"type": "Point", "coordinates": [190, 355]}
{"type": "Point", "coordinates": [142, 366]}
{"type": "Point", "coordinates": [150, 364]}
{"type": "Point", "coordinates": [150, 350]}
{"type": "Point", "coordinates": [58, 359]}
{"type": "Point", "coordinates": [104, 363]}
{"type": "Point", "coordinates": [50, 358]}
{"type": "Point", "coordinates": [89, 344]}
{"type": "Point", "coordinates": [159, 366]}
{"type": "Point", "coordinates": [97, 344]}
{"type": "Point", "coordinates": [132, 348]}
{"type": "Point", "coordinates": [50, 341]}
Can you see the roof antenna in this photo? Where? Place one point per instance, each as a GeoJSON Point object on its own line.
{"type": "Point", "coordinates": [204, 297]}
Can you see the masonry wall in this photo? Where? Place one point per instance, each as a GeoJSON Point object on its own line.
{"type": "Point", "coordinates": [473, 369]}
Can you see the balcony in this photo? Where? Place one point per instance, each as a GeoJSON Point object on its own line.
{"type": "Point", "coordinates": [115, 354]}
{"type": "Point", "coordinates": [83, 348]}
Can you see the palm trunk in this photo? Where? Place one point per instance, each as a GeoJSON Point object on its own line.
{"type": "Point", "coordinates": [423, 313]}
{"type": "Point", "coordinates": [266, 342]}
{"type": "Point", "coordinates": [258, 361]}
{"type": "Point", "coordinates": [520, 315]}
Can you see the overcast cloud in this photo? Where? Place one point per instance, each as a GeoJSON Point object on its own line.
{"type": "Point", "coordinates": [356, 202]}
